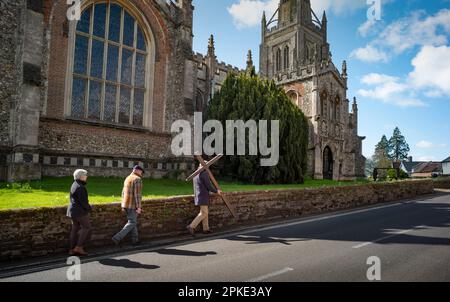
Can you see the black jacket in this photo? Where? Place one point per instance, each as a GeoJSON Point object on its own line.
{"type": "Point", "coordinates": [79, 202]}
{"type": "Point", "coordinates": [202, 187]}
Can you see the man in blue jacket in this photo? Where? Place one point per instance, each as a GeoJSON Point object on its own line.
{"type": "Point", "coordinates": [202, 187]}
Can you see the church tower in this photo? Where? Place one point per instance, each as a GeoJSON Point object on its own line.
{"type": "Point", "coordinates": [295, 53]}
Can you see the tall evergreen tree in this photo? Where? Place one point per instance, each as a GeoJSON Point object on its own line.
{"type": "Point", "coordinates": [247, 97]}
{"type": "Point", "coordinates": [398, 148]}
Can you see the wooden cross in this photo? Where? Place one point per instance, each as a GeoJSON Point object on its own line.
{"type": "Point", "coordinates": [204, 166]}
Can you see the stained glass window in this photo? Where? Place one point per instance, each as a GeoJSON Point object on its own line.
{"type": "Point", "coordinates": [109, 66]}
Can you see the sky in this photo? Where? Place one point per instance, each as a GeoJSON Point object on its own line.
{"type": "Point", "coordinates": [398, 65]}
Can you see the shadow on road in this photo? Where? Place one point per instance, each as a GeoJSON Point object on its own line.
{"type": "Point", "coordinates": [125, 263]}
{"type": "Point", "coordinates": [176, 252]}
{"type": "Point", "coordinates": [262, 239]}
{"type": "Point", "coordinates": [365, 227]}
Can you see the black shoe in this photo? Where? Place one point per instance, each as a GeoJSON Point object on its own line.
{"type": "Point", "coordinates": [137, 243]}
{"type": "Point", "coordinates": [207, 232]}
{"type": "Point", "coordinates": [191, 230]}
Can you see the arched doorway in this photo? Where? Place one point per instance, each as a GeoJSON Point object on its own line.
{"type": "Point", "coordinates": [327, 163]}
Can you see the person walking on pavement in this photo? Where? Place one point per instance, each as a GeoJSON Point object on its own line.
{"type": "Point", "coordinates": [202, 187]}
{"type": "Point", "coordinates": [131, 205]}
{"type": "Point", "coordinates": [78, 211]}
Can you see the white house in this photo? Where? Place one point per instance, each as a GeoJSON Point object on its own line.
{"type": "Point", "coordinates": [446, 166]}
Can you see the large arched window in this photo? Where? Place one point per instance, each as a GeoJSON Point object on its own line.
{"type": "Point", "coordinates": [109, 66]}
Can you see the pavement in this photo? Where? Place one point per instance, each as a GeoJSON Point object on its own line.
{"type": "Point", "coordinates": [402, 241]}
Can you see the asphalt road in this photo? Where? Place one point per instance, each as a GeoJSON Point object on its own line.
{"type": "Point", "coordinates": [411, 240]}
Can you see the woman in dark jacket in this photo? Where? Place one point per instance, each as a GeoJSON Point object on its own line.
{"type": "Point", "coordinates": [78, 211]}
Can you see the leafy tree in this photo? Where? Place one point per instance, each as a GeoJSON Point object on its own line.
{"type": "Point", "coordinates": [381, 156]}
{"type": "Point", "coordinates": [398, 148]}
{"type": "Point", "coordinates": [247, 97]}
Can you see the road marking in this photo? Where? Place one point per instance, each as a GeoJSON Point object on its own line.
{"type": "Point", "coordinates": [274, 274]}
{"type": "Point", "coordinates": [387, 237]}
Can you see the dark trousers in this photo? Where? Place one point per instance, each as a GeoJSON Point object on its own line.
{"type": "Point", "coordinates": [81, 231]}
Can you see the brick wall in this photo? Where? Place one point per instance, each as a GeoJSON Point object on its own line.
{"type": "Point", "coordinates": [442, 184]}
{"type": "Point", "coordinates": [37, 232]}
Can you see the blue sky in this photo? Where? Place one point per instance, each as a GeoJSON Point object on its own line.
{"type": "Point", "coordinates": [399, 66]}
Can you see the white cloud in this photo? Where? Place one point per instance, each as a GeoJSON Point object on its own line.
{"type": "Point", "coordinates": [376, 78]}
{"type": "Point", "coordinates": [338, 7]}
{"type": "Point", "coordinates": [369, 54]}
{"type": "Point", "coordinates": [418, 29]}
{"type": "Point", "coordinates": [366, 27]}
{"type": "Point", "coordinates": [389, 90]}
{"type": "Point", "coordinates": [248, 13]}
{"type": "Point", "coordinates": [429, 145]}
{"type": "Point", "coordinates": [432, 70]}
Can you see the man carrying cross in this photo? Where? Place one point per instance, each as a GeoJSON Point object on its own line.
{"type": "Point", "coordinates": [202, 187]}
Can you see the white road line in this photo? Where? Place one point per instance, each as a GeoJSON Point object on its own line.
{"type": "Point", "coordinates": [387, 237]}
{"type": "Point", "coordinates": [274, 274]}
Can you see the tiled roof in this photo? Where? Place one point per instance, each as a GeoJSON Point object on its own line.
{"type": "Point", "coordinates": [428, 167]}
{"type": "Point", "coordinates": [409, 165]}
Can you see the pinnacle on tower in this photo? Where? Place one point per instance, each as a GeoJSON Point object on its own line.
{"type": "Point", "coordinates": [344, 69]}
{"type": "Point", "coordinates": [324, 17]}
{"type": "Point", "coordinates": [211, 47]}
{"type": "Point", "coordinates": [249, 60]}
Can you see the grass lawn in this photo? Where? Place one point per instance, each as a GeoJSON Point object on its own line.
{"type": "Point", "coordinates": [54, 191]}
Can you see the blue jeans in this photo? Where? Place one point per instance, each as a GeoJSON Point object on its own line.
{"type": "Point", "coordinates": [131, 226]}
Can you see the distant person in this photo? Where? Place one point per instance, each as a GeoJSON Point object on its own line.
{"type": "Point", "coordinates": [202, 187]}
{"type": "Point", "coordinates": [131, 205]}
{"type": "Point", "coordinates": [78, 211]}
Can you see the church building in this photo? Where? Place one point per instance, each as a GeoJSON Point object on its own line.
{"type": "Point", "coordinates": [102, 92]}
